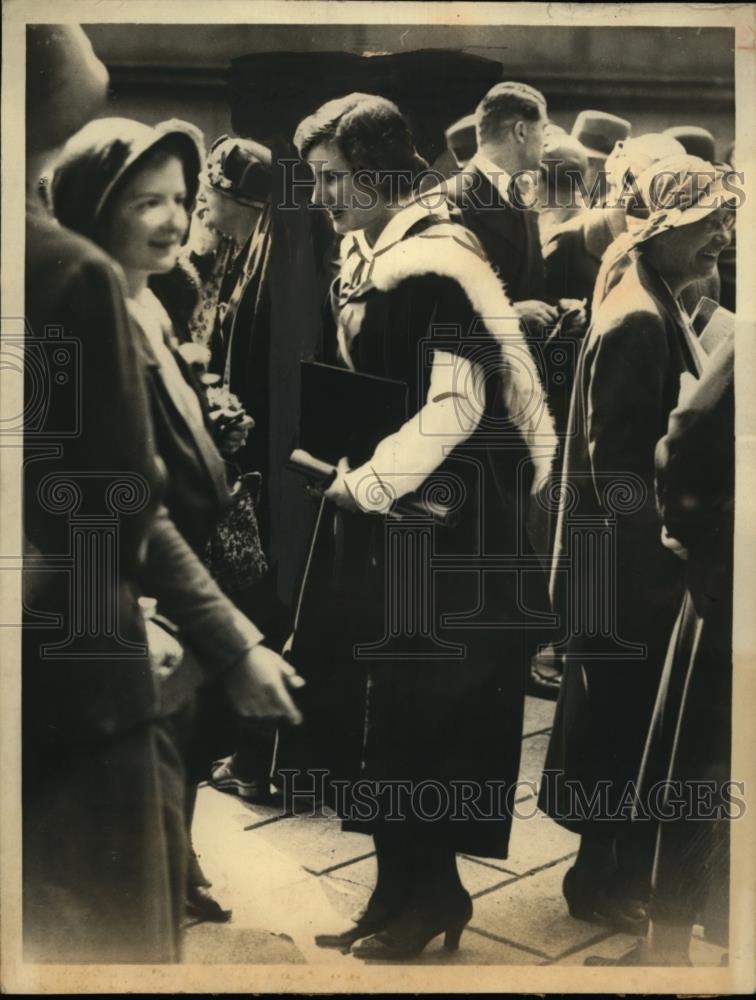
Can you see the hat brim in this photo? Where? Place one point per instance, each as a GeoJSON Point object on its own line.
{"type": "Point", "coordinates": [190, 154]}
{"type": "Point", "coordinates": [717, 197]}
{"type": "Point", "coordinates": [594, 154]}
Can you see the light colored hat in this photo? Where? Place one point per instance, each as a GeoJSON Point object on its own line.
{"type": "Point", "coordinates": [679, 191]}
{"type": "Point", "coordinates": [66, 84]}
{"type": "Point", "coordinates": [639, 153]}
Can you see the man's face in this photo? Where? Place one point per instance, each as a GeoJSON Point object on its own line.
{"type": "Point", "coordinates": [692, 251]}
{"type": "Point", "coordinates": [532, 152]}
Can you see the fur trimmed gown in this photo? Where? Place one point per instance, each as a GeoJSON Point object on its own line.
{"type": "Point", "coordinates": [415, 638]}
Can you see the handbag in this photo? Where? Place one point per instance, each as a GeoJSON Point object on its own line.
{"type": "Point", "coordinates": [234, 553]}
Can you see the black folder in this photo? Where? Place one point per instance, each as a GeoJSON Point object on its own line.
{"type": "Point", "coordinates": [346, 413]}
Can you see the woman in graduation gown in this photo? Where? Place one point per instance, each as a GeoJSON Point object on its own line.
{"type": "Point", "coordinates": [405, 609]}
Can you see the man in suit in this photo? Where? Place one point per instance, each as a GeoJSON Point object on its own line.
{"type": "Point", "coordinates": [629, 373]}
{"type": "Point", "coordinates": [494, 197]}
{"type": "Point", "coordinates": [491, 196]}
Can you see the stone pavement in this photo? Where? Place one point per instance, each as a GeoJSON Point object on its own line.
{"type": "Point", "coordinates": [290, 877]}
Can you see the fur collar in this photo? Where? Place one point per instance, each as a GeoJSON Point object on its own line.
{"type": "Point", "coordinates": [450, 251]}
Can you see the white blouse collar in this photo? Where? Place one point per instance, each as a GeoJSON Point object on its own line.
{"type": "Point", "coordinates": [394, 231]}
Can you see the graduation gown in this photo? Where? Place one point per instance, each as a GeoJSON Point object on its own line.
{"type": "Point", "coordinates": [425, 657]}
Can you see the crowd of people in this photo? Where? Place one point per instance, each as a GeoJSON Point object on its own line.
{"type": "Point", "coordinates": [509, 499]}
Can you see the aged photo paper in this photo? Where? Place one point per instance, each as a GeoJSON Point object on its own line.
{"type": "Point", "coordinates": [372, 541]}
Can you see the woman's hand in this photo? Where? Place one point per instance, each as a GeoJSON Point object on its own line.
{"type": "Point", "coordinates": [259, 686]}
{"type": "Point", "coordinates": [535, 312]}
{"type": "Point", "coordinates": [338, 492]}
{"type": "Point", "coordinates": [573, 316]}
{"type": "Point", "coordinates": [231, 429]}
{"type": "Point", "coordinates": [196, 355]}
{"type": "Point", "coordinates": [166, 651]}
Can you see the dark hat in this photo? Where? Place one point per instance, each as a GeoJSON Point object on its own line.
{"type": "Point", "coordinates": [66, 84]}
{"type": "Point", "coordinates": [694, 140]}
{"type": "Point", "coordinates": [239, 168]}
{"type": "Point", "coordinates": [598, 131]}
{"type": "Point", "coordinates": [98, 158]}
{"type": "Point", "coordinates": [461, 139]}
{"type": "Point", "coordinates": [566, 150]}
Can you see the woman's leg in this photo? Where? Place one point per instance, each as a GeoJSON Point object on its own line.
{"type": "Point", "coordinates": [392, 853]}
{"type": "Point", "coordinates": [436, 901]}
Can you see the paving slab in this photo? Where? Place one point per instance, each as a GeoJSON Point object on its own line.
{"type": "Point", "coordinates": [474, 949]}
{"type": "Point", "coordinates": [531, 913]}
{"type": "Point", "coordinates": [241, 813]}
{"type": "Point", "coordinates": [531, 762]}
{"type": "Point", "coordinates": [705, 953]}
{"type": "Point", "coordinates": [539, 715]}
{"type": "Point", "coordinates": [606, 945]}
{"type": "Point", "coordinates": [316, 843]}
{"type": "Point", "coordinates": [220, 944]}
{"type": "Point", "coordinates": [536, 841]}
{"type": "Point", "coordinates": [241, 873]}
{"type": "Point", "coordinates": [702, 953]}
{"type": "Point", "coordinates": [475, 877]}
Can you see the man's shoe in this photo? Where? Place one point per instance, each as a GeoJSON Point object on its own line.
{"type": "Point", "coordinates": [258, 790]}
{"type": "Point", "coordinates": [591, 899]}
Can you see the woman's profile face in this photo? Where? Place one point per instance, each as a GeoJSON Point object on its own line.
{"type": "Point", "coordinates": [149, 219]}
{"type": "Point", "coordinates": [227, 216]}
{"type": "Point", "coordinates": [351, 202]}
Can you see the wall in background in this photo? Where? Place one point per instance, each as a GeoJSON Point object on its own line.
{"type": "Point", "coordinates": [656, 77]}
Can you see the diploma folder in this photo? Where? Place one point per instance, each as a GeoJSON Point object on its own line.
{"type": "Point", "coordinates": [347, 413]}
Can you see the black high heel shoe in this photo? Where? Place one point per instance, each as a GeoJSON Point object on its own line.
{"type": "Point", "coordinates": [412, 931]}
{"type": "Point", "coordinates": [374, 918]}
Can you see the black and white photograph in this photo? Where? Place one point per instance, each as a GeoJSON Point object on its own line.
{"type": "Point", "coordinates": [378, 466]}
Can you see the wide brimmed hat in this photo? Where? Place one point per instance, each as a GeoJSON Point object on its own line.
{"type": "Point", "coordinates": [239, 169]}
{"type": "Point", "coordinates": [66, 84]}
{"type": "Point", "coordinates": [696, 141]}
{"type": "Point", "coordinates": [679, 191]}
{"type": "Point", "coordinates": [637, 154]}
{"type": "Point", "coordinates": [598, 131]}
{"type": "Point", "coordinates": [95, 161]}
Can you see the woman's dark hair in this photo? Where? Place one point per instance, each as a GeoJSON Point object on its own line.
{"type": "Point", "coordinates": [370, 132]}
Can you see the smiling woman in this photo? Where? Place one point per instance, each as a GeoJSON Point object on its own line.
{"type": "Point", "coordinates": [148, 220]}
